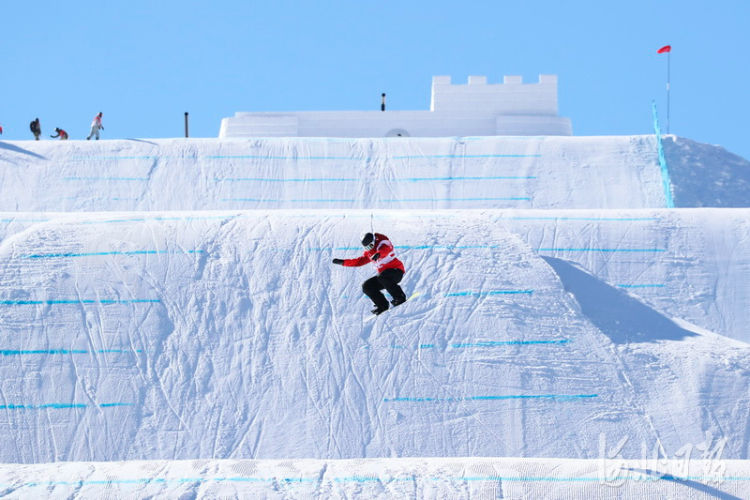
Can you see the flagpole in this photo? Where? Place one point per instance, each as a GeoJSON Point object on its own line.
{"type": "Point", "coordinates": [668, 50]}
{"type": "Point", "coordinates": [669, 54]}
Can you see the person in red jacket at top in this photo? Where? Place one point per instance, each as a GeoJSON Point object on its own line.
{"type": "Point", "coordinates": [63, 135]}
{"type": "Point", "coordinates": [96, 126]}
{"type": "Point", "coordinates": [379, 250]}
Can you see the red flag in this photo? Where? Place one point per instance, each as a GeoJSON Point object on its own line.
{"type": "Point", "coordinates": [666, 48]}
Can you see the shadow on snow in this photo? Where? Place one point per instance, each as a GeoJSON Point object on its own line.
{"type": "Point", "coordinates": [618, 315]}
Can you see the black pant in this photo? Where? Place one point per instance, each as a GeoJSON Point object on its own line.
{"type": "Point", "coordinates": [389, 280]}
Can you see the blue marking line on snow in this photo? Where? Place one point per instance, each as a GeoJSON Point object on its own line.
{"type": "Point", "coordinates": [411, 247]}
{"type": "Point", "coordinates": [321, 200]}
{"type": "Point", "coordinates": [99, 254]}
{"type": "Point", "coordinates": [592, 219]}
{"type": "Point", "coordinates": [105, 178]}
{"type": "Point", "coordinates": [25, 220]}
{"type": "Point", "coordinates": [346, 179]}
{"type": "Point", "coordinates": [489, 292]}
{"type": "Point", "coordinates": [266, 179]}
{"type": "Point", "coordinates": [13, 352]}
{"type": "Point", "coordinates": [350, 158]}
{"type": "Point", "coordinates": [387, 200]}
{"type": "Point", "coordinates": [558, 397]}
{"type": "Point", "coordinates": [95, 157]}
{"type": "Point", "coordinates": [293, 158]}
{"type": "Point", "coordinates": [311, 200]}
{"type": "Point", "coordinates": [508, 342]}
{"type": "Point", "coordinates": [645, 285]}
{"type": "Point", "coordinates": [601, 250]}
{"type": "Point", "coordinates": [358, 479]}
{"type": "Point", "coordinates": [665, 180]}
{"type": "Point", "coordinates": [484, 293]}
{"type": "Point", "coordinates": [454, 156]}
{"type": "Point", "coordinates": [141, 481]}
{"type": "Point", "coordinates": [513, 198]}
{"type": "Point", "coordinates": [445, 247]}
{"type": "Point", "coordinates": [490, 178]}
{"type": "Point", "coordinates": [78, 301]}
{"type": "Point", "coordinates": [61, 406]}
{"type": "Point", "coordinates": [158, 218]}
{"type": "Point", "coordinates": [479, 345]}
{"type": "Point", "coordinates": [349, 179]}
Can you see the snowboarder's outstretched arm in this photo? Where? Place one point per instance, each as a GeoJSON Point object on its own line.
{"type": "Point", "coordinates": [359, 261]}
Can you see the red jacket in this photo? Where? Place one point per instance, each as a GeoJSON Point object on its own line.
{"type": "Point", "coordinates": [386, 256]}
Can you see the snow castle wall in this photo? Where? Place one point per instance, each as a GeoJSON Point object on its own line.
{"type": "Point", "coordinates": [475, 108]}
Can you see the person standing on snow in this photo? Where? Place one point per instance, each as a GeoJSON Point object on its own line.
{"type": "Point", "coordinates": [36, 129]}
{"type": "Point", "coordinates": [63, 135]}
{"type": "Point", "coordinates": [379, 250]}
{"type": "Point", "coordinates": [96, 126]}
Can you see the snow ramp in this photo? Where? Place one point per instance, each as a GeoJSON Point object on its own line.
{"type": "Point", "coordinates": [692, 264]}
{"type": "Point", "coordinates": [325, 173]}
{"type": "Point", "coordinates": [231, 335]}
{"type": "Point", "coordinates": [175, 299]}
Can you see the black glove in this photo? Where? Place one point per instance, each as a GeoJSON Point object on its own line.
{"type": "Point", "coordinates": [376, 256]}
{"type": "Point", "coordinates": [338, 261]}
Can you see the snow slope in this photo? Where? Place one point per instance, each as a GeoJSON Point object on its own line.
{"type": "Point", "coordinates": [215, 335]}
{"type": "Point", "coordinates": [384, 478]}
{"type": "Point", "coordinates": [555, 307]}
{"type": "Point", "coordinates": [704, 175]}
{"type": "Point", "coordinates": [302, 173]}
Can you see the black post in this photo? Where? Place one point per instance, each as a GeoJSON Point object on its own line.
{"type": "Point", "coordinates": [186, 124]}
{"type": "Point", "coordinates": [382, 101]}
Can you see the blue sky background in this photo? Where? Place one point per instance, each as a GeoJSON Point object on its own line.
{"type": "Point", "coordinates": [144, 63]}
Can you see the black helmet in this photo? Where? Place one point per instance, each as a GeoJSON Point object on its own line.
{"type": "Point", "coordinates": [368, 241]}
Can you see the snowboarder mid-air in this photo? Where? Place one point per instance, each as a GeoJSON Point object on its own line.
{"type": "Point", "coordinates": [379, 250]}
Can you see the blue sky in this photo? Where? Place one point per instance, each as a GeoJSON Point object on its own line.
{"type": "Point", "coordinates": [144, 63]}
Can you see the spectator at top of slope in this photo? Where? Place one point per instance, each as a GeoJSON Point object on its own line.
{"type": "Point", "coordinates": [63, 135]}
{"type": "Point", "coordinates": [36, 128]}
{"type": "Point", "coordinates": [96, 126]}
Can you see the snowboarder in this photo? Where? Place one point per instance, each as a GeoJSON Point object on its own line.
{"type": "Point", "coordinates": [96, 126]}
{"type": "Point", "coordinates": [1, 130]}
{"type": "Point", "coordinates": [379, 250]}
{"type": "Point", "coordinates": [36, 128]}
{"type": "Point", "coordinates": [63, 135]}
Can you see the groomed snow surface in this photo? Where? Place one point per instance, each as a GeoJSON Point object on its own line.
{"type": "Point", "coordinates": [174, 301]}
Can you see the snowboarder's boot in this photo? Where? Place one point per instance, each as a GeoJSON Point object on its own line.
{"type": "Point", "coordinates": [398, 301]}
{"type": "Point", "coordinates": [379, 310]}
